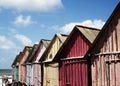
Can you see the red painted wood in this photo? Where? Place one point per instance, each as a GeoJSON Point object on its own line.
{"type": "Point", "coordinates": [74, 72]}
{"type": "Point", "coordinates": [77, 46]}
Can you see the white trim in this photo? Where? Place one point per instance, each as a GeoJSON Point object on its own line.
{"type": "Point", "coordinates": [70, 58]}
{"type": "Point", "coordinates": [107, 53]}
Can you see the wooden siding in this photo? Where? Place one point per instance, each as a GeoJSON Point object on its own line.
{"type": "Point", "coordinates": [15, 71]}
{"type": "Point", "coordinates": [15, 68]}
{"type": "Point", "coordinates": [36, 65]}
{"type": "Point", "coordinates": [105, 62]}
{"type": "Point", "coordinates": [28, 74]}
{"type": "Point", "coordinates": [40, 52]}
{"type": "Point", "coordinates": [22, 66]}
{"type": "Point", "coordinates": [50, 74]}
{"type": "Point", "coordinates": [44, 43]}
{"type": "Point", "coordinates": [49, 54]}
{"type": "Point", "coordinates": [74, 71]}
{"type": "Point", "coordinates": [56, 44]}
{"type": "Point", "coordinates": [36, 74]}
{"type": "Point", "coordinates": [77, 46]}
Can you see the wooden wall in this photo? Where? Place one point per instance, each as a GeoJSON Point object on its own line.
{"type": "Point", "coordinates": [106, 55]}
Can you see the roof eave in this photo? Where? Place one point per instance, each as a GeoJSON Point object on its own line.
{"type": "Point", "coordinates": [103, 29]}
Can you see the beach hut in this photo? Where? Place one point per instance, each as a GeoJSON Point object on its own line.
{"type": "Point", "coordinates": [30, 74]}
{"type": "Point", "coordinates": [50, 70]}
{"type": "Point", "coordinates": [15, 69]}
{"type": "Point", "coordinates": [104, 55]}
{"type": "Point", "coordinates": [28, 69]}
{"type": "Point", "coordinates": [73, 69]}
{"type": "Point", "coordinates": [36, 65]}
{"type": "Point", "coordinates": [22, 67]}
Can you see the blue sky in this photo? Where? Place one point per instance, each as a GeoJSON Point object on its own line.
{"type": "Point", "coordinates": [25, 22]}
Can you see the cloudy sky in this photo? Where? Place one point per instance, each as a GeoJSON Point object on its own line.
{"type": "Point", "coordinates": [25, 22]}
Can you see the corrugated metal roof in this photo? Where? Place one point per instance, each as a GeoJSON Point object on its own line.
{"type": "Point", "coordinates": [89, 33]}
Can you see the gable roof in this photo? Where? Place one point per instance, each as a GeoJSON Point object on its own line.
{"type": "Point", "coordinates": [104, 28]}
{"type": "Point", "coordinates": [32, 52]}
{"type": "Point", "coordinates": [88, 32]}
{"type": "Point", "coordinates": [36, 48]}
{"type": "Point", "coordinates": [19, 56]}
{"type": "Point", "coordinates": [45, 42]}
{"type": "Point", "coordinates": [15, 61]}
{"type": "Point", "coordinates": [62, 38]}
{"type": "Point", "coordinates": [26, 48]}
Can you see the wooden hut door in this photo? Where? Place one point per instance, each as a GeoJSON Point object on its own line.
{"type": "Point", "coordinates": [76, 73]}
{"type": "Point", "coordinates": [113, 73]}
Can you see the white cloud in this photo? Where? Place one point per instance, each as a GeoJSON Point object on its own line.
{"type": "Point", "coordinates": [31, 5]}
{"type": "Point", "coordinates": [23, 39]}
{"type": "Point", "coordinates": [90, 23]}
{"type": "Point", "coordinates": [6, 44]}
{"type": "Point", "coordinates": [37, 42]}
{"type": "Point", "coordinates": [25, 21]}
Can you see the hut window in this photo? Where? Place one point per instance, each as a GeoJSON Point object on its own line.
{"type": "Point", "coordinates": [50, 57]}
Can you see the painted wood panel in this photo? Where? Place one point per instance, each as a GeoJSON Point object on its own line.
{"type": "Point", "coordinates": [56, 43]}
{"type": "Point", "coordinates": [50, 74]}
{"type": "Point", "coordinates": [36, 65]}
{"type": "Point", "coordinates": [74, 72]}
{"type": "Point", "coordinates": [40, 52]}
{"type": "Point", "coordinates": [73, 69]}
{"type": "Point", "coordinates": [105, 53]}
{"type": "Point", "coordinates": [15, 78]}
{"type": "Point", "coordinates": [37, 74]}
{"type": "Point", "coordinates": [77, 46]}
{"type": "Point", "coordinates": [22, 66]}
{"type": "Point", "coordinates": [15, 68]}
{"type": "Point", "coordinates": [50, 79]}
{"type": "Point", "coordinates": [28, 74]}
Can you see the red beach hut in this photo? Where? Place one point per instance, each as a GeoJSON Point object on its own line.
{"type": "Point", "coordinates": [73, 69]}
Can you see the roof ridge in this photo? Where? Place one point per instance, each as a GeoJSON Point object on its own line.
{"type": "Point", "coordinates": [87, 27]}
{"type": "Point", "coordinates": [63, 34]}
{"type": "Point", "coordinates": [45, 40]}
{"type": "Point", "coordinates": [89, 33]}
